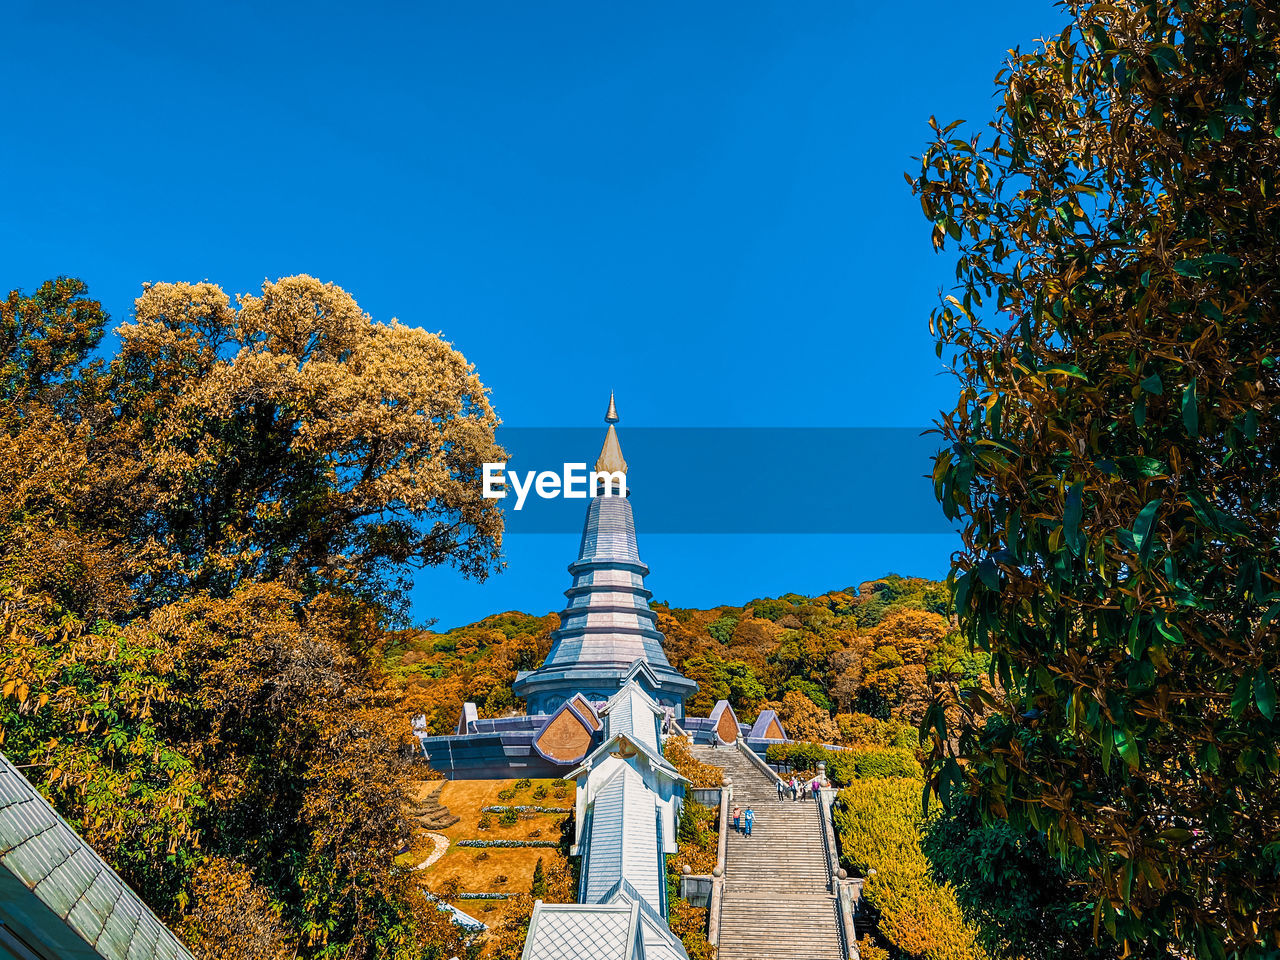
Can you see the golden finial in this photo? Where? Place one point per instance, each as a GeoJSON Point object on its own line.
{"type": "Point", "coordinates": [610, 459]}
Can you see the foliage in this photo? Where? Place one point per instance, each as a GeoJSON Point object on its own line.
{"type": "Point", "coordinates": [689, 923]}
{"type": "Point", "coordinates": [507, 843]}
{"type": "Point", "coordinates": [1112, 461]}
{"type": "Point", "coordinates": [1022, 902]}
{"type": "Point", "coordinates": [844, 766]}
{"type": "Point", "coordinates": [878, 823]}
{"type": "Point", "coordinates": [194, 589]}
{"type": "Point", "coordinates": [679, 753]}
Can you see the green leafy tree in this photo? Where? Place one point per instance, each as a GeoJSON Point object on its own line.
{"type": "Point", "coordinates": [1112, 459]}
{"type": "Point", "coordinates": [539, 888]}
{"type": "Point", "coordinates": [1022, 902]}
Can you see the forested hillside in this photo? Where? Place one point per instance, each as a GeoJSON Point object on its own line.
{"type": "Point", "coordinates": [849, 666]}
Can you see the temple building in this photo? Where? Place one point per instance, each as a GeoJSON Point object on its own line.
{"type": "Point", "coordinates": [608, 640]}
{"type": "Point", "coordinates": [608, 635]}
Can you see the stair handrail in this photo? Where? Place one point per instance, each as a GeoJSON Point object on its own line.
{"type": "Point", "coordinates": [840, 888]}
{"type": "Point", "coordinates": [715, 902]}
{"type": "Point", "coordinates": [755, 759]}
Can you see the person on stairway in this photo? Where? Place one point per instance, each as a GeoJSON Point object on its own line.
{"type": "Point", "coordinates": [779, 786]}
{"type": "Point", "coordinates": [737, 816]}
{"type": "Point", "coordinates": [795, 788]}
{"type": "Point", "coordinates": [749, 818]}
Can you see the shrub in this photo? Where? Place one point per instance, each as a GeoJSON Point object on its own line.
{"type": "Point", "coordinates": [506, 793]}
{"type": "Point", "coordinates": [508, 817]}
{"type": "Point", "coordinates": [482, 855]}
{"type": "Point", "coordinates": [679, 753]}
{"type": "Point", "coordinates": [507, 844]}
{"type": "Point", "coordinates": [844, 766]}
{"type": "Point", "coordinates": [891, 762]}
{"type": "Point", "coordinates": [524, 783]}
{"type": "Point", "coordinates": [541, 792]}
{"type": "Point", "coordinates": [486, 822]}
{"type": "Point", "coordinates": [560, 789]}
{"type": "Point", "coordinates": [500, 879]}
{"type": "Point", "coordinates": [689, 923]}
{"type": "Point", "coordinates": [879, 823]}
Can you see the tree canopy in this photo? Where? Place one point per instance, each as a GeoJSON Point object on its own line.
{"type": "Point", "coordinates": [202, 545]}
{"type": "Point", "coordinates": [1112, 458]}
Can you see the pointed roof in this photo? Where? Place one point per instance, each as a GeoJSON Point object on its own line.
{"type": "Point", "coordinates": [607, 627]}
{"type": "Point", "coordinates": [610, 459]}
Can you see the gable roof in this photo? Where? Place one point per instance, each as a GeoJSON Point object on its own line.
{"type": "Point", "coordinates": [57, 891]}
{"type": "Point", "coordinates": [625, 840]}
{"type": "Point", "coordinates": [760, 729]}
{"type": "Point", "coordinates": [572, 931]}
{"type": "Point", "coordinates": [635, 713]}
{"type": "Point", "coordinates": [655, 758]}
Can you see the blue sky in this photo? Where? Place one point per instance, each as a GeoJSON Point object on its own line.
{"type": "Point", "coordinates": [698, 205]}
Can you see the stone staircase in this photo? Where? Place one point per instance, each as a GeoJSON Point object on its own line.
{"type": "Point", "coordinates": [776, 903]}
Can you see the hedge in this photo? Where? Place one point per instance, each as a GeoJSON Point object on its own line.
{"type": "Point", "coordinates": [507, 843]}
{"type": "Point", "coordinates": [503, 808]}
{"type": "Point", "coordinates": [845, 766]}
{"type": "Point", "coordinates": [879, 823]}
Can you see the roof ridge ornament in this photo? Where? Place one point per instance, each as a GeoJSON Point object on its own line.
{"type": "Point", "coordinates": [610, 459]}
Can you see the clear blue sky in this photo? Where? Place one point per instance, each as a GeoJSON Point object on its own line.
{"type": "Point", "coordinates": [700, 205]}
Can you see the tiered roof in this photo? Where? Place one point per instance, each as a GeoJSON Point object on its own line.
{"type": "Point", "coordinates": [607, 626]}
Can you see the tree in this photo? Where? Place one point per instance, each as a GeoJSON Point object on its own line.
{"type": "Point", "coordinates": [1112, 458]}
{"type": "Point", "coordinates": [805, 720]}
{"type": "Point", "coordinates": [1022, 902]}
{"type": "Point", "coordinates": [539, 888]}
{"type": "Point", "coordinates": [294, 439]}
{"type": "Point", "coordinates": [187, 667]}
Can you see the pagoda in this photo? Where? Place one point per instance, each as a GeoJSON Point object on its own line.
{"type": "Point", "coordinates": [608, 635]}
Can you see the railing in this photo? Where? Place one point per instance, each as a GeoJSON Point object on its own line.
{"type": "Point", "coordinates": [756, 761]}
{"type": "Point", "coordinates": [841, 888]}
{"type": "Point", "coordinates": [716, 901]}
{"type": "Point", "coordinates": [584, 847]}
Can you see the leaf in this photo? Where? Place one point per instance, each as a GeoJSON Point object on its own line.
{"type": "Point", "coordinates": [989, 574]}
{"type": "Point", "coordinates": [1187, 268]}
{"type": "Point", "coordinates": [1142, 535]}
{"type": "Point", "coordinates": [1066, 369]}
{"type": "Point", "coordinates": [1240, 699]}
{"type": "Point", "coordinates": [1190, 410]}
{"type": "Point", "coordinates": [1264, 693]}
{"type": "Point", "coordinates": [1071, 518]}
{"type": "Point", "coordinates": [1153, 384]}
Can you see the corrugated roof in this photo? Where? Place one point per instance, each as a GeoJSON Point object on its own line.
{"type": "Point", "coordinates": [64, 874]}
{"type": "Point", "coordinates": [624, 838]}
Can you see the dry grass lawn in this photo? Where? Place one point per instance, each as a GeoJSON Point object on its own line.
{"type": "Point", "coordinates": [477, 873]}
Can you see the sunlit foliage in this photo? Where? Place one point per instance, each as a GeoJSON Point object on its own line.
{"type": "Point", "coordinates": [1112, 459]}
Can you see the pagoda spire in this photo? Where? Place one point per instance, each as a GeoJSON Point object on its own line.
{"type": "Point", "coordinates": [610, 459]}
{"type": "Point", "coordinates": [607, 632]}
